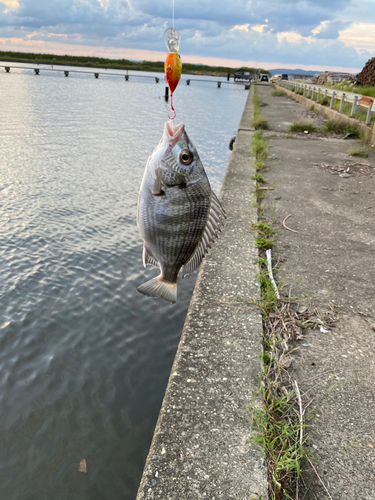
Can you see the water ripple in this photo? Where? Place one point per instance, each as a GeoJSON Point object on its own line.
{"type": "Point", "coordinates": [85, 359]}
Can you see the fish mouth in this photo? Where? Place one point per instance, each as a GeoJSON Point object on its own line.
{"type": "Point", "coordinates": [173, 133]}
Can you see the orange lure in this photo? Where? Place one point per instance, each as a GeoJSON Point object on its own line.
{"type": "Point", "coordinates": [172, 66]}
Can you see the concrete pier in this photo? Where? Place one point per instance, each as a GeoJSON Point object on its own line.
{"type": "Point", "coordinates": [199, 448]}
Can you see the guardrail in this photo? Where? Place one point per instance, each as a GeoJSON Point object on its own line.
{"type": "Point", "coordinates": [316, 92]}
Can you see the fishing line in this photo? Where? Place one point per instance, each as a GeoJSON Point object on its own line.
{"type": "Point", "coordinates": [172, 66]}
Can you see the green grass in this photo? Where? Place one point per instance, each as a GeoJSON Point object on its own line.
{"type": "Point", "coordinates": [361, 151]}
{"type": "Point", "coordinates": [258, 177]}
{"type": "Point", "coordinates": [345, 85]}
{"type": "Point", "coordinates": [265, 243]}
{"type": "Point", "coordinates": [360, 113]}
{"type": "Point", "coordinates": [278, 93]}
{"type": "Point", "coordinates": [338, 127]}
{"type": "Point", "coordinates": [278, 437]}
{"type": "Point", "coordinates": [268, 299]}
{"type": "Point", "coordinates": [257, 101]}
{"type": "Point", "coordinates": [259, 122]}
{"type": "Point", "coordinates": [275, 419]}
{"type": "Point", "coordinates": [260, 146]}
{"type": "Point", "coordinates": [301, 126]}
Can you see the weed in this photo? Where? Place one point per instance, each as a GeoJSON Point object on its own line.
{"type": "Point", "coordinates": [264, 228]}
{"type": "Point", "coordinates": [260, 146]}
{"type": "Point", "coordinates": [257, 101]}
{"type": "Point", "coordinates": [301, 126]}
{"type": "Point", "coordinates": [277, 422]}
{"type": "Point", "coordinates": [277, 436]}
{"type": "Point", "coordinates": [278, 93]}
{"type": "Point", "coordinates": [265, 243]}
{"type": "Point", "coordinates": [359, 89]}
{"type": "Point", "coordinates": [361, 151]}
{"type": "Point", "coordinates": [259, 122]}
{"type": "Point", "coordinates": [339, 127]}
{"type": "Point", "coordinates": [259, 164]}
{"type": "Point", "coordinates": [312, 107]}
{"type": "Point", "coordinates": [258, 178]}
{"type": "Point", "coordinates": [268, 297]}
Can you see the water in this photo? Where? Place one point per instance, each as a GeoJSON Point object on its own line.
{"type": "Point", "coordinates": [84, 358]}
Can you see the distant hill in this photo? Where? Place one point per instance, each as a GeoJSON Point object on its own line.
{"type": "Point", "coordinates": [293, 72]}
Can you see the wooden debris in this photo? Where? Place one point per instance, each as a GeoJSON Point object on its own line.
{"type": "Point", "coordinates": [367, 75]}
{"type": "Point", "coordinates": [331, 77]}
{"type": "Point", "coordinates": [348, 169]}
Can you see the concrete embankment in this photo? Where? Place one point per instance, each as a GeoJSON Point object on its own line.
{"type": "Point", "coordinates": [199, 446]}
{"type": "Point", "coordinates": [328, 261]}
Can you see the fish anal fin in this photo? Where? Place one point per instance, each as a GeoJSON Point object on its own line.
{"type": "Point", "coordinates": [213, 226]}
{"type": "Point", "coordinates": [157, 287]}
{"type": "Point", "coordinates": [148, 259]}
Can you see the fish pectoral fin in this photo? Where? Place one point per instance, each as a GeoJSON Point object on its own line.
{"type": "Point", "coordinates": [213, 225]}
{"type": "Point", "coordinates": [157, 287]}
{"type": "Point", "coordinates": [157, 188]}
{"type": "Point", "coordinates": [148, 258]}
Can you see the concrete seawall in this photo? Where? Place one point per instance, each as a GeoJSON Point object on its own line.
{"type": "Point", "coordinates": [199, 446]}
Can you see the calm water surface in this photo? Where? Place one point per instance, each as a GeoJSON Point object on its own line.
{"type": "Point", "coordinates": [84, 358]}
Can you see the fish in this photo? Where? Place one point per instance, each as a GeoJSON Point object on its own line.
{"type": "Point", "coordinates": [178, 215]}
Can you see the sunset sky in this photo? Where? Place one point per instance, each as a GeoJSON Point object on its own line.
{"type": "Point", "coordinates": [306, 34]}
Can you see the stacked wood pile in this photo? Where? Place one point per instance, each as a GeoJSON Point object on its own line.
{"type": "Point", "coordinates": [367, 75]}
{"type": "Point", "coordinates": [330, 78]}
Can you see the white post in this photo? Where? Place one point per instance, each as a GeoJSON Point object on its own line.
{"type": "Point", "coordinates": [342, 103]}
{"type": "Point", "coordinates": [354, 107]}
{"type": "Point", "coordinates": [318, 97]}
{"type": "Point", "coordinates": [368, 119]}
{"type": "Point", "coordinates": [332, 99]}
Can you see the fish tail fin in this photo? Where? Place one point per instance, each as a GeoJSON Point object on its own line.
{"type": "Point", "coordinates": [157, 287]}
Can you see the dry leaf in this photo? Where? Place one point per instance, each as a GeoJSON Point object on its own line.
{"type": "Point", "coordinates": [82, 466]}
{"type": "Point", "coordinates": [371, 446]}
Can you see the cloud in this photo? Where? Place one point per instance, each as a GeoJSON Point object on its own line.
{"type": "Point", "coordinates": [294, 37]}
{"type": "Point", "coordinates": [259, 27]}
{"type": "Point", "coordinates": [321, 27]}
{"type": "Point", "coordinates": [11, 3]}
{"type": "Point", "coordinates": [302, 32]}
{"type": "Point", "coordinates": [241, 27]}
{"type": "Point", "coordinates": [360, 36]}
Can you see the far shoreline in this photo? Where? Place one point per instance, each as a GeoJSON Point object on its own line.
{"type": "Point", "coordinates": [127, 65]}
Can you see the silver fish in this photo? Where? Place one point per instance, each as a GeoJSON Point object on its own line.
{"type": "Point", "coordinates": [178, 215]}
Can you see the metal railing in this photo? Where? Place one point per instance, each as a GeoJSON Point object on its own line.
{"type": "Point", "coordinates": [315, 92]}
{"type": "Point", "coordinates": [127, 76]}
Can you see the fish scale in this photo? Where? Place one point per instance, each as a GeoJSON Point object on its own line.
{"type": "Point", "coordinates": [178, 214]}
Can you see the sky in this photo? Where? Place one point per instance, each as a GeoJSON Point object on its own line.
{"type": "Point", "coordinates": [308, 34]}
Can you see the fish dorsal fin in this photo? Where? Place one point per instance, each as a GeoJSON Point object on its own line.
{"type": "Point", "coordinates": [148, 259]}
{"type": "Point", "coordinates": [214, 222]}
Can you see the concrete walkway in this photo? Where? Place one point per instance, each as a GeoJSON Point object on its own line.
{"type": "Point", "coordinates": [199, 447]}
{"type": "Point", "coordinates": [331, 262]}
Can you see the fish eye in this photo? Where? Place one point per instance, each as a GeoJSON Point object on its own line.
{"type": "Point", "coordinates": [186, 157]}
